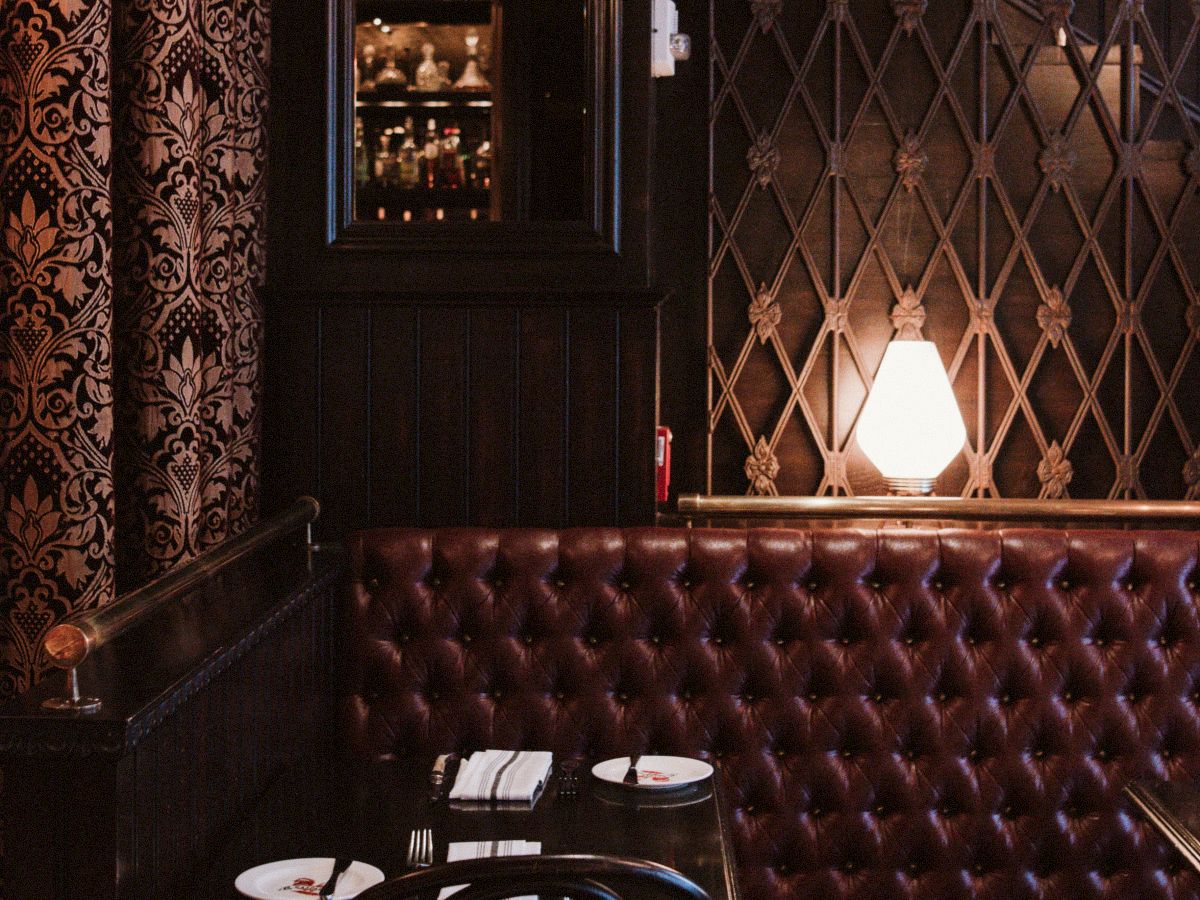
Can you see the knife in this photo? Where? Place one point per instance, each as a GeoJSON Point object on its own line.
{"type": "Point", "coordinates": [631, 776]}
{"type": "Point", "coordinates": [340, 865]}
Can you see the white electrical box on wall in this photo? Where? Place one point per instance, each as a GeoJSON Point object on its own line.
{"type": "Point", "coordinates": [667, 45]}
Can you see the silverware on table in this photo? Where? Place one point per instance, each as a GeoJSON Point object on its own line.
{"type": "Point", "coordinates": [631, 776]}
{"type": "Point", "coordinates": [420, 849]}
{"type": "Point", "coordinates": [568, 781]}
{"type": "Point", "coordinates": [438, 776]}
{"type": "Point", "coordinates": [340, 865]}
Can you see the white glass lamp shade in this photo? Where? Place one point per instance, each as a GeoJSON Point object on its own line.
{"type": "Point", "coordinates": [911, 427]}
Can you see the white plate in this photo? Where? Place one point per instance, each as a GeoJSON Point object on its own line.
{"type": "Point", "coordinates": [655, 773]}
{"type": "Point", "coordinates": [292, 879]}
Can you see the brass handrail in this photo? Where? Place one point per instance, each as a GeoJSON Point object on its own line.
{"type": "Point", "coordinates": [698, 506]}
{"type": "Point", "coordinates": [69, 643]}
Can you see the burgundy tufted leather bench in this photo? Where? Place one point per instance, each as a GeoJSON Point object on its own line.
{"type": "Point", "coordinates": [896, 713]}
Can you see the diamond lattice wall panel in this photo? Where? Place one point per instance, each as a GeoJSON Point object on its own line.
{"type": "Point", "coordinates": [1017, 181]}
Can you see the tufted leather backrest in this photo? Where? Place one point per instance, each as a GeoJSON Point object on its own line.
{"type": "Point", "coordinates": [895, 713]}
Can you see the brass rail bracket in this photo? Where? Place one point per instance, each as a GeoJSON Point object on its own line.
{"type": "Point", "coordinates": [74, 701]}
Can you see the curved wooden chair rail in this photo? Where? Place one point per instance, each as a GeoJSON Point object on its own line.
{"type": "Point", "coordinates": [580, 876]}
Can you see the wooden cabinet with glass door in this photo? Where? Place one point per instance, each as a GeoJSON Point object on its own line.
{"type": "Point", "coordinates": [425, 86]}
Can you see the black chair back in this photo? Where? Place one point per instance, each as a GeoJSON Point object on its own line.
{"type": "Point", "coordinates": [580, 877]}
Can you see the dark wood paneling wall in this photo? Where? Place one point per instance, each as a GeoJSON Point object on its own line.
{"type": "Point", "coordinates": [494, 375]}
{"type": "Point", "coordinates": [205, 703]}
{"type": "Point", "coordinates": [1038, 206]}
{"type": "Point", "coordinates": [446, 412]}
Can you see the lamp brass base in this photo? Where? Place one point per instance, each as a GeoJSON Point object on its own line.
{"type": "Point", "coordinates": [909, 487]}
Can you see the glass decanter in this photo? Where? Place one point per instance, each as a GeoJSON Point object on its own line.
{"type": "Point", "coordinates": [472, 78]}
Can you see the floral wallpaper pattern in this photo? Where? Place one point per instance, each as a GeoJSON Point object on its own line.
{"type": "Point", "coordinates": [56, 486]}
{"type": "Point", "coordinates": [189, 156]}
{"type": "Point", "coordinates": [156, 429]}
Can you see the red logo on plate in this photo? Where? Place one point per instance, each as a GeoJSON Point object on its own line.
{"type": "Point", "coordinates": [651, 775]}
{"type": "Point", "coordinates": [305, 887]}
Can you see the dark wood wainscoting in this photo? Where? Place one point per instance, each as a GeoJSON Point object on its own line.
{"type": "Point", "coordinates": [534, 411]}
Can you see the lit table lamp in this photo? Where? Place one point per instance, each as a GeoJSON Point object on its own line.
{"type": "Point", "coordinates": [911, 428]}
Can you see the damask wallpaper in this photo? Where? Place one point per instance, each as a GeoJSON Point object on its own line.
{"type": "Point", "coordinates": [129, 343]}
{"type": "Point", "coordinates": [189, 154]}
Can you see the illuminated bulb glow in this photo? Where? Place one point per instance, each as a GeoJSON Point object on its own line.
{"type": "Point", "coordinates": [911, 427]}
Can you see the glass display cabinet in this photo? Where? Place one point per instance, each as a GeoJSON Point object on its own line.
{"type": "Point", "coordinates": [424, 142]}
{"type": "Point", "coordinates": [471, 111]}
{"type": "Point", "coordinates": [456, 133]}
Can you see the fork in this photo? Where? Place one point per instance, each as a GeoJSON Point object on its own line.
{"type": "Point", "coordinates": [420, 849]}
{"type": "Point", "coordinates": [568, 785]}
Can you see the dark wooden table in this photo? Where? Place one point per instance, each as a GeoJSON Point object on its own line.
{"type": "Point", "coordinates": [367, 811]}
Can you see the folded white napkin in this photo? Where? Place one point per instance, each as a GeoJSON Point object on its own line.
{"type": "Point", "coordinates": [502, 775]}
{"type": "Point", "coordinates": [480, 849]}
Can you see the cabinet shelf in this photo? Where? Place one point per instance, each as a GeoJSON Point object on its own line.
{"type": "Point", "coordinates": [473, 107]}
{"type": "Point", "coordinates": [420, 198]}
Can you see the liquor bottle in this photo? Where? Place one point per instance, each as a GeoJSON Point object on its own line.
{"type": "Point", "coordinates": [362, 166]}
{"type": "Point", "coordinates": [450, 170]}
{"type": "Point", "coordinates": [391, 73]}
{"type": "Point", "coordinates": [429, 76]}
{"type": "Point", "coordinates": [366, 69]}
{"type": "Point", "coordinates": [481, 166]}
{"type": "Point", "coordinates": [472, 78]}
{"type": "Point", "coordinates": [429, 158]}
{"type": "Point", "coordinates": [408, 164]}
{"type": "Point", "coordinates": [385, 163]}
